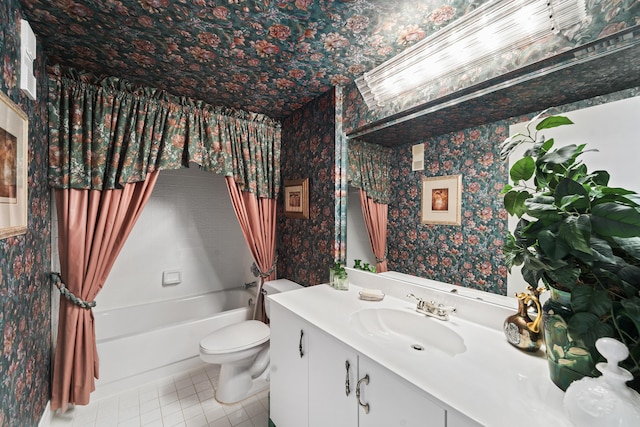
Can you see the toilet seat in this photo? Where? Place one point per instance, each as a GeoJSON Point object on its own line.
{"type": "Point", "coordinates": [235, 337]}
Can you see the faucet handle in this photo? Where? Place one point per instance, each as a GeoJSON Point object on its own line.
{"type": "Point", "coordinates": [413, 296]}
{"type": "Point", "coordinates": [442, 309]}
{"type": "Point", "coordinates": [421, 303]}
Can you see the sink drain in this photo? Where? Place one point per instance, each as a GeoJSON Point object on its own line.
{"type": "Point", "coordinates": [417, 347]}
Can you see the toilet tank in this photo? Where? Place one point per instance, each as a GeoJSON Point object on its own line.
{"type": "Point", "coordinates": [275, 287]}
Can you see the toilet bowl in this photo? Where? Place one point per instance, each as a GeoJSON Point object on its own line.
{"type": "Point", "coordinates": [242, 351]}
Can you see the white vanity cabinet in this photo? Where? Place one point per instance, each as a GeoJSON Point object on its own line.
{"type": "Point", "coordinates": [289, 368]}
{"type": "Point", "coordinates": [333, 374]}
{"type": "Point", "coordinates": [314, 377]}
{"type": "Point", "coordinates": [393, 401]}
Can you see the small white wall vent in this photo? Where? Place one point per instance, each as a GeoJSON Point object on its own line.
{"type": "Point", "coordinates": [27, 57]}
{"type": "Point", "coordinates": [418, 157]}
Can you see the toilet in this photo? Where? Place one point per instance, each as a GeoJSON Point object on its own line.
{"type": "Point", "coordinates": [242, 350]}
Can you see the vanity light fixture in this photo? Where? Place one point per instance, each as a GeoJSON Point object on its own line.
{"type": "Point", "coordinates": [472, 41]}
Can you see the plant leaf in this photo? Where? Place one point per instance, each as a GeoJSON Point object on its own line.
{"type": "Point", "coordinates": [601, 250]}
{"type": "Point", "coordinates": [553, 247]}
{"type": "Point", "coordinates": [630, 245]}
{"type": "Point", "coordinates": [600, 177]}
{"type": "Point", "coordinates": [559, 156]}
{"type": "Point", "coordinates": [576, 232]}
{"type": "Point", "coordinates": [552, 122]}
{"type": "Point", "coordinates": [523, 169]}
{"type": "Point", "coordinates": [587, 327]}
{"type": "Point", "coordinates": [570, 193]}
{"type": "Point", "coordinates": [585, 298]}
{"type": "Point", "coordinates": [514, 202]}
{"type": "Point", "coordinates": [612, 219]}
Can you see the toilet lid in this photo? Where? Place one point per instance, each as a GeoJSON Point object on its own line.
{"type": "Point", "coordinates": [235, 337]}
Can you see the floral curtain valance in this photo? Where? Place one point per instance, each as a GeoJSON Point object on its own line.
{"type": "Point", "coordinates": [107, 132]}
{"type": "Point", "coordinates": [369, 169]}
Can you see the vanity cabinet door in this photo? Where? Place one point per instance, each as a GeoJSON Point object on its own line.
{"type": "Point", "coordinates": [289, 358]}
{"type": "Point", "coordinates": [333, 370]}
{"type": "Point", "coordinates": [393, 401]}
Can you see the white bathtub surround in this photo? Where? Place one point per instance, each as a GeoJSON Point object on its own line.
{"type": "Point", "coordinates": [243, 351]}
{"type": "Point", "coordinates": [189, 226]}
{"type": "Point", "coordinates": [138, 343]}
{"type": "Point", "coordinates": [482, 380]}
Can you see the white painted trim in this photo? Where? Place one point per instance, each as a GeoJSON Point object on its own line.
{"type": "Point", "coordinates": [47, 416]}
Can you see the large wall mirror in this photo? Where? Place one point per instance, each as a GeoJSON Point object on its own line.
{"type": "Point", "coordinates": [470, 254]}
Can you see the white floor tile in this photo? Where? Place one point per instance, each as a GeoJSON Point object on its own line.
{"type": "Point", "coordinates": [150, 416]}
{"type": "Point", "coordinates": [149, 405]}
{"type": "Point", "coordinates": [171, 408]}
{"type": "Point", "coordinates": [238, 417]}
{"type": "Point", "coordinates": [253, 408]}
{"type": "Point", "coordinates": [168, 398]}
{"type": "Point", "coordinates": [261, 420]}
{"type": "Point", "coordinates": [222, 422]}
{"type": "Point", "coordinates": [173, 419]}
{"type": "Point", "coordinates": [184, 400]}
{"type": "Point", "coordinates": [192, 411]}
{"type": "Point", "coordinates": [199, 421]}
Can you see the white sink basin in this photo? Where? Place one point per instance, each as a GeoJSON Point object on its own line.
{"type": "Point", "coordinates": [407, 329]}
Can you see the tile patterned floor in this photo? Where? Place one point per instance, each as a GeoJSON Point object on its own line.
{"type": "Point", "coordinates": [181, 400]}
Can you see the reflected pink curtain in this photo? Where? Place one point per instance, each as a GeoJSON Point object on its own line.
{"type": "Point", "coordinates": [92, 228]}
{"type": "Point", "coordinates": [257, 218]}
{"type": "Point", "coordinates": [375, 218]}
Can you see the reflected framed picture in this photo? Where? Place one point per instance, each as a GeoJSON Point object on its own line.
{"type": "Point", "coordinates": [296, 198]}
{"type": "Point", "coordinates": [14, 129]}
{"type": "Point", "coordinates": [441, 198]}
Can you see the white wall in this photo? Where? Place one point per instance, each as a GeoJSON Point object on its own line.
{"type": "Point", "coordinates": [188, 225]}
{"type": "Point", "coordinates": [613, 130]}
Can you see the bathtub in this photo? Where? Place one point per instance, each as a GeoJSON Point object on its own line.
{"type": "Point", "coordinates": [138, 339]}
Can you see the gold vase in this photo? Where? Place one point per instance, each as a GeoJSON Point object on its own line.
{"type": "Point", "coordinates": [520, 330]}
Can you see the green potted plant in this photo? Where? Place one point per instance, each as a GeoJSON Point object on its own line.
{"type": "Point", "coordinates": [338, 277]}
{"type": "Point", "coordinates": [581, 239]}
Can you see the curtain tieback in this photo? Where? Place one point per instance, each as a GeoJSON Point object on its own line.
{"type": "Point", "coordinates": [69, 295]}
{"type": "Point", "coordinates": [384, 257]}
{"type": "Point", "coordinates": [269, 272]}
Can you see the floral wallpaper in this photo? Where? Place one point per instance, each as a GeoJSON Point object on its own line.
{"type": "Point", "coordinates": [25, 260]}
{"type": "Point", "coordinates": [466, 255]}
{"type": "Point", "coordinates": [306, 246]}
{"type": "Point", "coordinates": [471, 254]}
{"type": "Point", "coordinates": [266, 56]}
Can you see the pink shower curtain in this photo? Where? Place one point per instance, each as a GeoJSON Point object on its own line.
{"type": "Point", "coordinates": [375, 218]}
{"type": "Point", "coordinates": [92, 227]}
{"type": "Point", "coordinates": [257, 218]}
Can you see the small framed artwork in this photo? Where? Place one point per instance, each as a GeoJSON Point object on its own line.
{"type": "Point", "coordinates": [441, 196]}
{"type": "Point", "coordinates": [296, 198]}
{"type": "Point", "coordinates": [14, 129]}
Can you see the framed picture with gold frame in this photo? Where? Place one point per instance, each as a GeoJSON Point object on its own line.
{"type": "Point", "coordinates": [296, 198]}
{"type": "Point", "coordinates": [441, 199]}
{"type": "Point", "coordinates": [14, 132]}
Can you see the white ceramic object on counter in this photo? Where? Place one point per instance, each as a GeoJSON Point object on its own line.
{"type": "Point", "coordinates": [605, 401]}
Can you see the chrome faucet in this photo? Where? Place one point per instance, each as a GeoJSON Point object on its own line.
{"type": "Point", "coordinates": [430, 308]}
{"type": "Point", "coordinates": [250, 285]}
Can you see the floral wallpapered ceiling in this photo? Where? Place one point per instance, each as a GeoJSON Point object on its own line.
{"type": "Point", "coordinates": [265, 56]}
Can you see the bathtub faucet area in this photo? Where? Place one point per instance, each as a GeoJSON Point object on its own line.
{"type": "Point", "coordinates": [250, 285]}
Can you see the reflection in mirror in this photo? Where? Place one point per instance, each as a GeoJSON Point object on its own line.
{"type": "Point", "coordinates": [471, 255]}
{"type": "Point", "coordinates": [358, 245]}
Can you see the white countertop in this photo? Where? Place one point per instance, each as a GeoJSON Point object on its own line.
{"type": "Point", "coordinates": [492, 382]}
